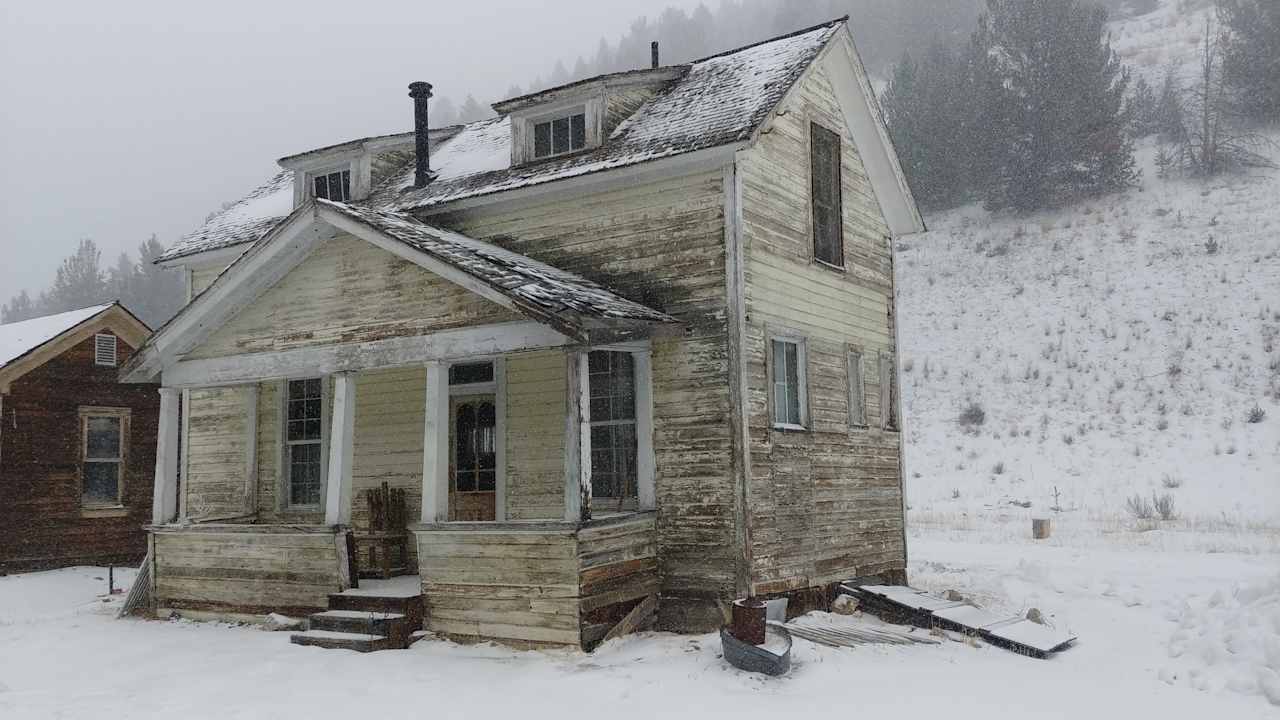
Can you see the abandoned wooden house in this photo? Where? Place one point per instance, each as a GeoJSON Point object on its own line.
{"type": "Point", "coordinates": [77, 446]}
{"type": "Point", "coordinates": [625, 350]}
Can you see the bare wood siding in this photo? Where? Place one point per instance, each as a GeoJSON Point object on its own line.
{"type": "Point", "coordinates": [202, 278]}
{"type": "Point", "coordinates": [535, 435]}
{"type": "Point", "coordinates": [349, 291]}
{"type": "Point", "coordinates": [661, 244]}
{"type": "Point", "coordinates": [511, 585]}
{"type": "Point", "coordinates": [215, 470]}
{"type": "Point", "coordinates": [619, 566]}
{"type": "Point", "coordinates": [825, 503]}
{"type": "Point", "coordinates": [252, 572]}
{"type": "Point", "coordinates": [390, 412]}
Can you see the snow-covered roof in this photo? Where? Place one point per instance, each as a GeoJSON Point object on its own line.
{"type": "Point", "coordinates": [720, 99]}
{"type": "Point", "coordinates": [538, 289]}
{"type": "Point", "coordinates": [243, 222]}
{"type": "Point", "coordinates": [19, 338]}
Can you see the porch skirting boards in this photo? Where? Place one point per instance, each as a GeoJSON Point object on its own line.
{"type": "Point", "coordinates": [537, 583]}
{"type": "Point", "coordinates": [248, 570]}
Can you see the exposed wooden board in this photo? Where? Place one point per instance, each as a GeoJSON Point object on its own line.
{"type": "Point", "coordinates": [638, 615]}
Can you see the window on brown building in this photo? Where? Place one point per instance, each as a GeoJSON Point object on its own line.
{"type": "Point", "coordinates": [102, 455]}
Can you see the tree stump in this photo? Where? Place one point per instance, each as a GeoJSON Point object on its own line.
{"type": "Point", "coordinates": [1040, 528]}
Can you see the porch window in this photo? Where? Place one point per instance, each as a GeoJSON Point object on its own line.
{"type": "Point", "coordinates": [612, 385]}
{"type": "Point", "coordinates": [304, 440]}
{"type": "Point", "coordinates": [787, 367]}
{"type": "Point", "coordinates": [102, 451]}
{"type": "Point", "coordinates": [475, 447]}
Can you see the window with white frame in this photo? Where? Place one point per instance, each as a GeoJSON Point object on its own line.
{"type": "Point", "coordinates": [612, 386]}
{"type": "Point", "coordinates": [787, 367]}
{"type": "Point", "coordinates": [857, 390]}
{"type": "Point", "coordinates": [304, 442]}
{"type": "Point", "coordinates": [104, 350]}
{"type": "Point", "coordinates": [560, 135]}
{"type": "Point", "coordinates": [102, 455]}
{"type": "Point", "coordinates": [334, 185]}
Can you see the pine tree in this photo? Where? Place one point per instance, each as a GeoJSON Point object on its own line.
{"type": "Point", "coordinates": [1169, 120]}
{"type": "Point", "coordinates": [1052, 100]}
{"type": "Point", "coordinates": [1142, 109]}
{"type": "Point", "coordinates": [80, 281]}
{"type": "Point", "coordinates": [19, 308]}
{"type": "Point", "coordinates": [1251, 57]}
{"type": "Point", "coordinates": [443, 112]}
{"type": "Point", "coordinates": [158, 292]}
{"type": "Point", "coordinates": [472, 111]}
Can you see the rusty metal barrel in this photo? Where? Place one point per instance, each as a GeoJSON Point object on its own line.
{"type": "Point", "coordinates": [748, 621]}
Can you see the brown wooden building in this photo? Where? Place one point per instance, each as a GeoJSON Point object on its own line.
{"type": "Point", "coordinates": [77, 447]}
{"type": "Point", "coordinates": [627, 348]}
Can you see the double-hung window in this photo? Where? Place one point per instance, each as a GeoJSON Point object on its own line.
{"type": "Point", "coordinates": [560, 135]}
{"type": "Point", "coordinates": [102, 451]}
{"type": "Point", "coordinates": [612, 383]}
{"type": "Point", "coordinates": [334, 185]}
{"type": "Point", "coordinates": [824, 186]}
{"type": "Point", "coordinates": [787, 368]}
{"type": "Point", "coordinates": [304, 442]}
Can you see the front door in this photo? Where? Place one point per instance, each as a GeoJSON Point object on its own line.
{"type": "Point", "coordinates": [473, 458]}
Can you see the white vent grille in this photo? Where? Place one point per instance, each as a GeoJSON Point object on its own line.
{"type": "Point", "coordinates": [104, 350]}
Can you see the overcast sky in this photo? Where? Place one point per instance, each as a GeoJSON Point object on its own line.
{"type": "Point", "coordinates": [129, 117]}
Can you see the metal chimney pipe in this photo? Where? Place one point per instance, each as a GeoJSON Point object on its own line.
{"type": "Point", "coordinates": [653, 53]}
{"type": "Point", "coordinates": [421, 93]}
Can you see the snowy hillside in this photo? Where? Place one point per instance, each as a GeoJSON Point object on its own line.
{"type": "Point", "coordinates": [1115, 348]}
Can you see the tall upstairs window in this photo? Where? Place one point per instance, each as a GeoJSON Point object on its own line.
{"type": "Point", "coordinates": [828, 223]}
{"type": "Point", "coordinates": [334, 186]}
{"type": "Point", "coordinates": [559, 135]}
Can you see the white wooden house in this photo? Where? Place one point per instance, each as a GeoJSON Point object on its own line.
{"type": "Point", "coordinates": [628, 344]}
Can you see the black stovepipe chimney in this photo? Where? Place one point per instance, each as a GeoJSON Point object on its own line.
{"type": "Point", "coordinates": [421, 93]}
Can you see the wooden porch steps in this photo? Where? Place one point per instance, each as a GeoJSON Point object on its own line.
{"type": "Point", "coordinates": [365, 621]}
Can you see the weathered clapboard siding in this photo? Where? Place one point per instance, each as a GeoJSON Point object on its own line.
{"type": "Point", "coordinates": [825, 503]}
{"type": "Point", "coordinates": [349, 291]}
{"type": "Point", "coordinates": [203, 277]}
{"type": "Point", "coordinates": [534, 583]}
{"type": "Point", "coordinates": [662, 244]}
{"type": "Point", "coordinates": [247, 570]}
{"type": "Point", "coordinates": [389, 414]}
{"type": "Point", "coordinates": [215, 470]}
{"type": "Point", "coordinates": [509, 584]}
{"type": "Point", "coordinates": [535, 435]}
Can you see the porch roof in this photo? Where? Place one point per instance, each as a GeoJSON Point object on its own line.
{"type": "Point", "coordinates": [564, 300]}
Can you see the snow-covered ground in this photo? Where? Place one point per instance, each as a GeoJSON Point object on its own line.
{"type": "Point", "coordinates": [1162, 634]}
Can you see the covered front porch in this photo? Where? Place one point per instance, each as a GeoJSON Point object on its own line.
{"type": "Point", "coordinates": [527, 475]}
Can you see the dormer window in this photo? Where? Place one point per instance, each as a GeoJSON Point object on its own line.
{"type": "Point", "coordinates": [559, 135]}
{"type": "Point", "coordinates": [334, 185]}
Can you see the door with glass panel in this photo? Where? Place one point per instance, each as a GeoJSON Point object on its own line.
{"type": "Point", "coordinates": [473, 458]}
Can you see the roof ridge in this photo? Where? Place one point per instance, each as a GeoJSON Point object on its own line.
{"type": "Point", "coordinates": [766, 41]}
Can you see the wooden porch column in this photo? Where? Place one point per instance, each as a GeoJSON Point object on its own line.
{"type": "Point", "coordinates": [164, 500]}
{"type": "Point", "coordinates": [577, 439]}
{"type": "Point", "coordinates": [435, 445]}
{"type": "Point", "coordinates": [337, 505]}
{"type": "Point", "coordinates": [646, 464]}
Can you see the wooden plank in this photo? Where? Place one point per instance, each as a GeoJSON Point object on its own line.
{"type": "Point", "coordinates": [639, 615]}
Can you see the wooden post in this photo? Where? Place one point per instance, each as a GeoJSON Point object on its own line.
{"type": "Point", "coordinates": [435, 445]}
{"type": "Point", "coordinates": [646, 463]}
{"type": "Point", "coordinates": [337, 506]}
{"type": "Point", "coordinates": [577, 439]}
{"type": "Point", "coordinates": [251, 449]}
{"type": "Point", "coordinates": [164, 500]}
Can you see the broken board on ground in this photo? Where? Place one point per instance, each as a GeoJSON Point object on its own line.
{"type": "Point", "coordinates": [916, 607]}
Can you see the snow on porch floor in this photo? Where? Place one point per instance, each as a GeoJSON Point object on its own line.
{"type": "Point", "coordinates": [62, 655]}
{"type": "Point", "coordinates": [402, 586]}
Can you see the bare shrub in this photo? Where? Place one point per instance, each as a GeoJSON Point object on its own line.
{"type": "Point", "coordinates": [1255, 415]}
{"type": "Point", "coordinates": [972, 417]}
{"type": "Point", "coordinates": [1171, 482]}
{"type": "Point", "coordinates": [1163, 505]}
{"type": "Point", "coordinates": [998, 469]}
{"type": "Point", "coordinates": [1140, 507]}
{"type": "Point", "coordinates": [1211, 246]}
